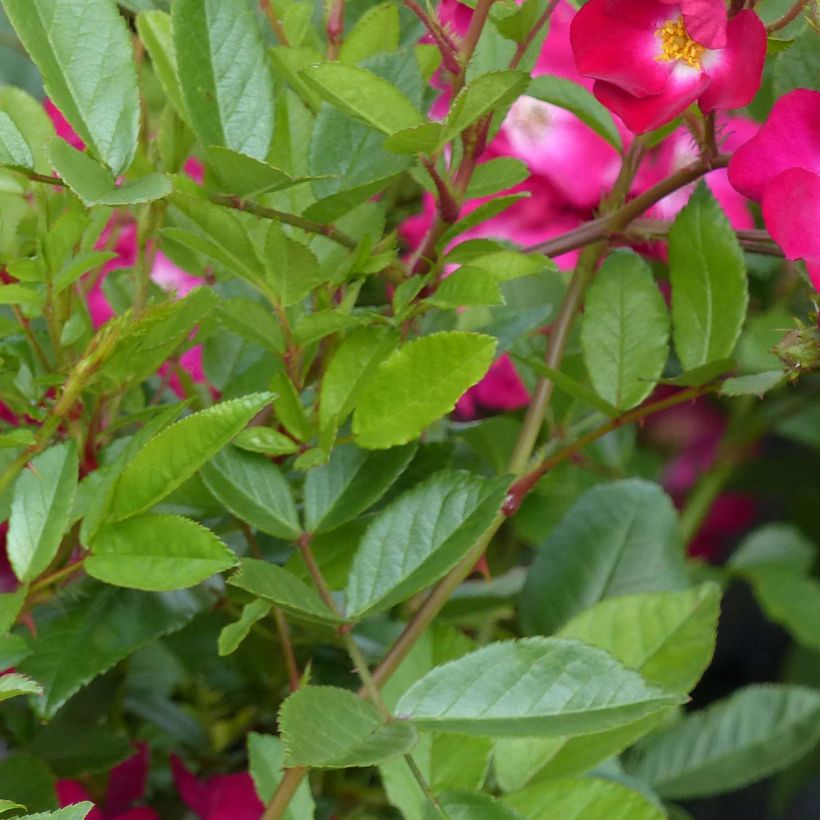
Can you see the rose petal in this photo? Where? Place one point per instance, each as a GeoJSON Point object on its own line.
{"type": "Point", "coordinates": [705, 21]}
{"type": "Point", "coordinates": [736, 70]}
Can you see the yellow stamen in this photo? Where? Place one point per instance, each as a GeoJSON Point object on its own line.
{"type": "Point", "coordinates": [676, 44]}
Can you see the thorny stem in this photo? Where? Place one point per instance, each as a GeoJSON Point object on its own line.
{"type": "Point", "coordinates": [792, 14]}
{"type": "Point", "coordinates": [533, 32]}
{"type": "Point", "coordinates": [275, 22]}
{"type": "Point", "coordinates": [446, 46]}
{"type": "Point", "coordinates": [283, 630]}
{"type": "Point", "coordinates": [755, 240]}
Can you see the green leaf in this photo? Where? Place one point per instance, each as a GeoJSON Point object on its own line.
{"type": "Point", "coordinates": [157, 553]}
{"type": "Point", "coordinates": [464, 805]}
{"type": "Point", "coordinates": [13, 685]}
{"type": "Point", "coordinates": [420, 139]}
{"type": "Point", "coordinates": [223, 69]}
{"type": "Point", "coordinates": [28, 781]}
{"type": "Point", "coordinates": [497, 174]}
{"type": "Point", "coordinates": [799, 66]}
{"type": "Point", "coordinates": [352, 363]}
{"type": "Point", "coordinates": [419, 537]}
{"type": "Point", "coordinates": [154, 29]}
{"type": "Point", "coordinates": [702, 374]}
{"type": "Point", "coordinates": [757, 731]}
{"type": "Point", "coordinates": [532, 687]}
{"type": "Point", "coordinates": [266, 754]}
{"type": "Point", "coordinates": [175, 454]}
{"type": "Point", "coordinates": [275, 584]}
{"type": "Point", "coordinates": [10, 605]}
{"type": "Point", "coordinates": [418, 384]}
{"type": "Point", "coordinates": [465, 287]}
{"type": "Point", "coordinates": [9, 805]}
{"type": "Point", "coordinates": [708, 276]}
{"type": "Point", "coordinates": [331, 728]}
{"type": "Point", "coordinates": [245, 176]}
{"type": "Point", "coordinates": [486, 93]}
{"type": "Point", "coordinates": [76, 811]}
{"type": "Point", "coordinates": [363, 95]}
{"type": "Point", "coordinates": [253, 489]}
{"type": "Point", "coordinates": [376, 30]}
{"type": "Point", "coordinates": [84, 52]}
{"type": "Point", "coordinates": [41, 510]}
{"type": "Point", "coordinates": [292, 269]}
{"type": "Point", "coordinates": [14, 150]}
{"type": "Point", "coordinates": [618, 538]}
{"type": "Point", "coordinates": [233, 634]}
{"type": "Point", "coordinates": [754, 384]}
{"type": "Point", "coordinates": [96, 628]}
{"type": "Point", "coordinates": [669, 637]}
{"type": "Point", "coordinates": [625, 330]}
{"type": "Point", "coordinates": [350, 483]}
{"type": "Point", "coordinates": [584, 799]}
{"type": "Point", "coordinates": [265, 440]}
{"type": "Point", "coordinates": [95, 184]}
{"type": "Point", "coordinates": [773, 545]}
{"type": "Point", "coordinates": [572, 97]}
{"type": "Point", "coordinates": [485, 211]}
{"type": "Point", "coordinates": [31, 120]}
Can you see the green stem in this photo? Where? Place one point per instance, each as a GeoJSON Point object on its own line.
{"type": "Point", "coordinates": [291, 779]}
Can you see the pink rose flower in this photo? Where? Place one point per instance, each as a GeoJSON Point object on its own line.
{"type": "Point", "coordinates": [651, 59]}
{"type": "Point", "coordinates": [780, 168]}
{"type": "Point", "coordinates": [500, 391]}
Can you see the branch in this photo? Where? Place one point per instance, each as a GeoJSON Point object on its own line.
{"type": "Point", "coordinates": [787, 18]}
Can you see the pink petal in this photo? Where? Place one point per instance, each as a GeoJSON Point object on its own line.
{"type": "Point", "coordinates": [193, 793]}
{"type": "Point", "coordinates": [126, 783]}
{"type": "Point", "coordinates": [233, 797]}
{"type": "Point", "coordinates": [502, 389]}
{"type": "Point", "coordinates": [705, 21]}
{"type": "Point", "coordinates": [791, 210]}
{"type": "Point", "coordinates": [62, 126]}
{"type": "Point", "coordinates": [70, 792]}
{"type": "Point", "coordinates": [609, 48]}
{"type": "Point", "coordinates": [641, 114]}
{"type": "Point", "coordinates": [790, 138]}
{"type": "Point", "coordinates": [736, 70]}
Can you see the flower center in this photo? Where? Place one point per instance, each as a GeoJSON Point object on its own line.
{"type": "Point", "coordinates": [676, 44]}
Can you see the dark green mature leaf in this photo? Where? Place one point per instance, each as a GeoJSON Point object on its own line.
{"type": "Point", "coordinates": [567, 94]}
{"type": "Point", "coordinates": [618, 538]}
{"type": "Point", "coordinates": [13, 685]}
{"type": "Point", "coordinates": [95, 184]}
{"type": "Point", "coordinates": [175, 454]}
{"type": "Point", "coordinates": [96, 628]}
{"type": "Point", "coordinates": [331, 728]}
{"type": "Point", "coordinates": [84, 53]}
{"type": "Point", "coordinates": [583, 799]}
{"type": "Point", "coordinates": [757, 731]}
{"type": "Point", "coordinates": [292, 269]}
{"type": "Point", "coordinates": [354, 360]}
{"type": "Point", "coordinates": [532, 687]}
{"type": "Point", "coordinates": [275, 584]}
{"type": "Point", "coordinates": [708, 275]}
{"type": "Point", "coordinates": [224, 73]}
{"type": "Point", "coordinates": [625, 330]}
{"type": "Point", "coordinates": [254, 490]}
{"type": "Point", "coordinates": [376, 30]}
{"type": "Point", "coordinates": [28, 781]}
{"type": "Point", "coordinates": [154, 29]}
{"type": "Point", "coordinates": [266, 755]}
{"type": "Point", "coordinates": [799, 66]}
{"type": "Point", "coordinates": [41, 510]}
{"type": "Point", "coordinates": [363, 95]}
{"type": "Point", "coordinates": [157, 553]}
{"type": "Point", "coordinates": [350, 483]}
{"type": "Point", "coordinates": [14, 150]}
{"type": "Point", "coordinates": [419, 537]}
{"type": "Point", "coordinates": [418, 384]}
{"type": "Point", "coordinates": [486, 93]}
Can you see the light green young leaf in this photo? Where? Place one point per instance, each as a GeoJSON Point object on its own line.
{"type": "Point", "coordinates": [625, 330]}
{"type": "Point", "coordinates": [350, 483]}
{"type": "Point", "coordinates": [10, 605]}
{"type": "Point", "coordinates": [669, 637]}
{"type": "Point", "coordinates": [41, 510]}
{"type": "Point", "coordinates": [14, 150]}
{"type": "Point", "coordinates": [532, 687]}
{"type": "Point", "coordinates": [354, 360]}
{"type": "Point", "coordinates": [419, 537]}
{"type": "Point", "coordinates": [154, 29]}
{"type": "Point", "coordinates": [465, 805]}
{"type": "Point", "coordinates": [584, 799]}
{"type": "Point", "coordinates": [266, 755]}
{"type": "Point", "coordinates": [567, 94]}
{"type": "Point", "coordinates": [466, 287]}
{"type": "Point", "coordinates": [486, 93]}
{"type": "Point", "coordinates": [175, 454]}
{"type": "Point", "coordinates": [497, 174]}
{"type": "Point", "coordinates": [418, 384]}
{"type": "Point", "coordinates": [265, 440]}
{"type": "Point", "coordinates": [331, 728]}
{"type": "Point", "coordinates": [708, 276]}
{"type": "Point", "coordinates": [98, 628]}
{"type": "Point", "coordinates": [254, 490]}
{"type": "Point", "coordinates": [420, 139]}
{"type": "Point", "coordinates": [618, 538]}
{"type": "Point", "coordinates": [84, 53]}
{"type": "Point", "coordinates": [757, 731]}
{"type": "Point", "coordinates": [276, 584]}
{"type": "Point", "coordinates": [76, 811]}
{"type": "Point", "coordinates": [156, 553]}
{"type": "Point", "coordinates": [13, 685]}
{"type": "Point", "coordinates": [95, 184]}
{"type": "Point", "coordinates": [9, 805]}
{"type": "Point", "coordinates": [363, 95]}
{"type": "Point", "coordinates": [224, 73]}
{"type": "Point", "coordinates": [31, 120]}
{"type": "Point", "coordinates": [233, 634]}
{"type": "Point", "coordinates": [376, 30]}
